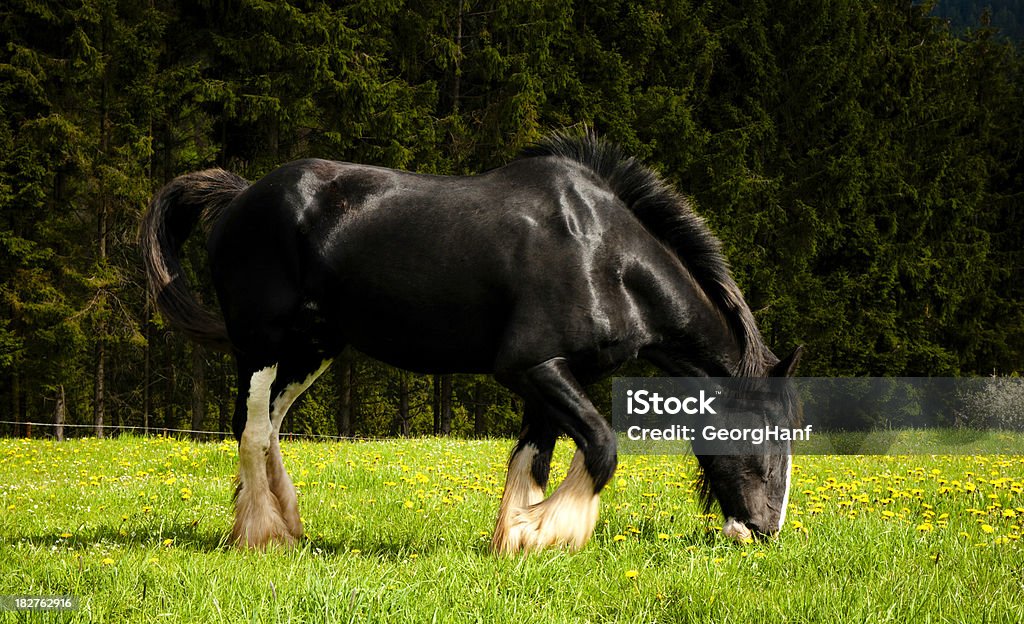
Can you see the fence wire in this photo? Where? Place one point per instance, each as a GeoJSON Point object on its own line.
{"type": "Point", "coordinates": [164, 431]}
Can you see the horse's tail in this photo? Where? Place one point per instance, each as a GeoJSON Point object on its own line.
{"type": "Point", "coordinates": [668, 216]}
{"type": "Point", "coordinates": [171, 217]}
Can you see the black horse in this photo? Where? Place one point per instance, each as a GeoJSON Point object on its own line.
{"type": "Point", "coordinates": [549, 272]}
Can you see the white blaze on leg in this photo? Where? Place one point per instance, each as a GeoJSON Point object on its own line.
{"type": "Point", "coordinates": [566, 518]}
{"type": "Point", "coordinates": [291, 392]}
{"type": "Point", "coordinates": [785, 497]}
{"type": "Point", "coordinates": [279, 481]}
{"type": "Point", "coordinates": [257, 512]}
{"type": "Point", "coordinates": [521, 491]}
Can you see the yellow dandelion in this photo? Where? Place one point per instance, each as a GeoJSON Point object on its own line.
{"type": "Point", "coordinates": [988, 528]}
{"type": "Point", "coordinates": [632, 574]}
{"type": "Point", "coordinates": [925, 527]}
{"type": "Point", "coordinates": [168, 541]}
{"type": "Point", "coordinates": [619, 538]}
{"type": "Point", "coordinates": [107, 561]}
{"type": "Point", "coordinates": [409, 504]}
{"type": "Point", "coordinates": [65, 535]}
{"type": "Point", "coordinates": [663, 536]}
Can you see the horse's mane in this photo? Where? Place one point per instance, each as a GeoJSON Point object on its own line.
{"type": "Point", "coordinates": [669, 217]}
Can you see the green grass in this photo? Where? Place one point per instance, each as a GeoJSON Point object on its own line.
{"type": "Point", "coordinates": [398, 531]}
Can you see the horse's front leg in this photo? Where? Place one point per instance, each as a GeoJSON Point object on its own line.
{"type": "Point", "coordinates": [526, 480]}
{"type": "Point", "coordinates": [568, 516]}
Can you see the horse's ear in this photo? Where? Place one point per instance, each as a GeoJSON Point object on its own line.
{"type": "Point", "coordinates": [787, 367]}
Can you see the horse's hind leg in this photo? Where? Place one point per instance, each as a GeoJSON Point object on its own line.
{"type": "Point", "coordinates": [569, 515]}
{"type": "Point", "coordinates": [293, 379]}
{"type": "Point", "coordinates": [258, 519]}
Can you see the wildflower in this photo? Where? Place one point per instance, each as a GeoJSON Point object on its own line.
{"type": "Point", "coordinates": [988, 528]}
{"type": "Point", "coordinates": [107, 561]}
{"type": "Point", "coordinates": [632, 574]}
{"type": "Point", "coordinates": [619, 538]}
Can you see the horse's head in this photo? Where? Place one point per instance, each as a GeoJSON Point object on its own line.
{"type": "Point", "coordinates": [753, 490]}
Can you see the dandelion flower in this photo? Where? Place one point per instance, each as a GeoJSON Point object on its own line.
{"type": "Point", "coordinates": [632, 574]}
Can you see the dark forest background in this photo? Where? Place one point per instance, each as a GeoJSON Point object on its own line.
{"type": "Point", "coordinates": [861, 161]}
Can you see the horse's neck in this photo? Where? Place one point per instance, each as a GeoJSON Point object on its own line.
{"type": "Point", "coordinates": [694, 336]}
{"type": "Point", "coordinates": [705, 346]}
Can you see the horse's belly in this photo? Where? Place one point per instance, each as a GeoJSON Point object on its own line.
{"type": "Point", "coordinates": [426, 334]}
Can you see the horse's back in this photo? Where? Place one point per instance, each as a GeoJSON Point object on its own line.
{"type": "Point", "coordinates": [432, 272]}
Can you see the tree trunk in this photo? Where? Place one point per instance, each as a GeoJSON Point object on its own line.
{"type": "Point", "coordinates": [59, 414]}
{"type": "Point", "coordinates": [224, 399]}
{"type": "Point", "coordinates": [16, 402]}
{"type": "Point", "coordinates": [457, 69]}
{"type": "Point", "coordinates": [403, 403]}
{"type": "Point", "coordinates": [198, 391]}
{"type": "Point", "coordinates": [446, 404]}
{"type": "Point", "coordinates": [99, 384]}
{"type": "Point", "coordinates": [102, 233]}
{"type": "Point", "coordinates": [343, 371]}
{"type": "Point", "coordinates": [435, 403]}
{"type": "Point", "coordinates": [170, 408]}
{"type": "Point", "coordinates": [479, 427]}
{"type": "Point", "coordinates": [147, 368]}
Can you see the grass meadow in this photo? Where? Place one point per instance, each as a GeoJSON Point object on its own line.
{"type": "Point", "coordinates": [398, 531]}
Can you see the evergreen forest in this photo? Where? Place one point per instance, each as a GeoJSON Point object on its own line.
{"type": "Point", "coordinates": [862, 162]}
